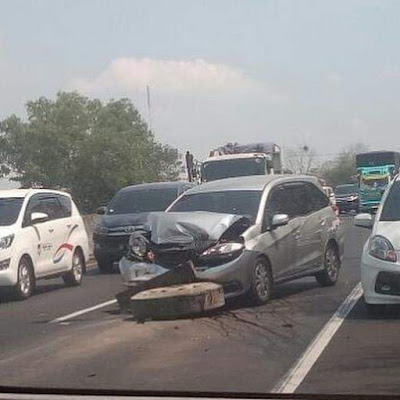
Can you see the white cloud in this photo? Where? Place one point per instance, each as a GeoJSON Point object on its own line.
{"type": "Point", "coordinates": [133, 74]}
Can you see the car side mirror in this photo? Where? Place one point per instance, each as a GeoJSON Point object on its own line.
{"type": "Point", "coordinates": [279, 220]}
{"type": "Point", "coordinates": [101, 210]}
{"type": "Point", "coordinates": [38, 217]}
{"type": "Point", "coordinates": [364, 220]}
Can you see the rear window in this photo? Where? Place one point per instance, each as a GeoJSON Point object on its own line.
{"type": "Point", "coordinates": [138, 201]}
{"type": "Point", "coordinates": [243, 202]}
{"type": "Point", "coordinates": [391, 207]}
{"type": "Point", "coordinates": [346, 189]}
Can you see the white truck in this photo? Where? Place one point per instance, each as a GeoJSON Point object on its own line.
{"type": "Point", "coordinates": [234, 160]}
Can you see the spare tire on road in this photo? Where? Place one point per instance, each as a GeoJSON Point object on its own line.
{"type": "Point", "coordinates": [177, 301]}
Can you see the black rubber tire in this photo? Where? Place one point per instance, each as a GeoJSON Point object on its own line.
{"type": "Point", "coordinates": [74, 277]}
{"type": "Point", "coordinates": [19, 292]}
{"type": "Point", "coordinates": [329, 275]}
{"type": "Point", "coordinates": [375, 310]}
{"type": "Point", "coordinates": [105, 266]}
{"type": "Point", "coordinates": [260, 292]}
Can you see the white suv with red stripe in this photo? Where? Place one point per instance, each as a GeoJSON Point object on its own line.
{"type": "Point", "coordinates": [42, 235]}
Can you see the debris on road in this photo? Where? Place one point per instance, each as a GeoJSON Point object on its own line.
{"type": "Point", "coordinates": [177, 301]}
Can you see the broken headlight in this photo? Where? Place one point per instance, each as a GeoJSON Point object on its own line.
{"type": "Point", "coordinates": [138, 246]}
{"type": "Point", "coordinates": [224, 249]}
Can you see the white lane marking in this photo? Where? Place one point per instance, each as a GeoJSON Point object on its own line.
{"type": "Point", "coordinates": [84, 311]}
{"type": "Point", "coordinates": [292, 380]}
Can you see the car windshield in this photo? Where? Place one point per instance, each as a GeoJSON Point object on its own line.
{"type": "Point", "coordinates": [346, 190]}
{"type": "Point", "coordinates": [391, 207]}
{"type": "Point", "coordinates": [239, 202]}
{"type": "Point", "coordinates": [376, 183]}
{"type": "Point", "coordinates": [9, 210]}
{"type": "Point", "coordinates": [138, 201]}
{"type": "Point", "coordinates": [213, 170]}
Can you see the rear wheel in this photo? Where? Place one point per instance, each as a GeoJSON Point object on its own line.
{"type": "Point", "coordinates": [261, 284]}
{"type": "Point", "coordinates": [329, 275]}
{"type": "Point", "coordinates": [26, 279]}
{"type": "Point", "coordinates": [74, 277]}
{"type": "Point", "coordinates": [105, 266]}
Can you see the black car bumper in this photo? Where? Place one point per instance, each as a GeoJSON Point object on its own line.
{"type": "Point", "coordinates": [110, 248]}
{"type": "Point", "coordinates": [346, 206]}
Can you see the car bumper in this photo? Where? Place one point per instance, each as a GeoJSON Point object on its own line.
{"type": "Point", "coordinates": [8, 276]}
{"type": "Point", "coordinates": [380, 280]}
{"type": "Point", "coordinates": [234, 276]}
{"type": "Point", "coordinates": [108, 253]}
{"type": "Point", "coordinates": [347, 206]}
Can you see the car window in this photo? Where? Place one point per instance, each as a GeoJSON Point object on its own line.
{"type": "Point", "coordinates": [316, 197]}
{"type": "Point", "coordinates": [47, 204]}
{"type": "Point", "coordinates": [10, 208]}
{"type": "Point", "coordinates": [297, 201]}
{"type": "Point", "coordinates": [66, 205]}
{"type": "Point", "coordinates": [391, 207]}
{"type": "Point", "coordinates": [239, 202]}
{"type": "Point", "coordinates": [52, 207]}
{"type": "Point", "coordinates": [142, 200]}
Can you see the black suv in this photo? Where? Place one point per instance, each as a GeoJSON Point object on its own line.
{"type": "Point", "coordinates": [126, 211]}
{"type": "Point", "coordinates": [347, 198]}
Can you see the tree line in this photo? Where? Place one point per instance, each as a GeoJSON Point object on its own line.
{"type": "Point", "coordinates": [84, 146]}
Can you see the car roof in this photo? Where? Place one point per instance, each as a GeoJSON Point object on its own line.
{"type": "Point", "coordinates": [234, 156]}
{"type": "Point", "coordinates": [156, 185]}
{"type": "Point", "coordinates": [21, 193]}
{"type": "Point", "coordinates": [347, 184]}
{"type": "Point", "coordinates": [253, 182]}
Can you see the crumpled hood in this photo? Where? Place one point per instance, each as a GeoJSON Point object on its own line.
{"type": "Point", "coordinates": [186, 227]}
{"type": "Point", "coordinates": [114, 221]}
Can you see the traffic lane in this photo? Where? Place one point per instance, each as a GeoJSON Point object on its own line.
{"type": "Point", "coordinates": [25, 322]}
{"type": "Point", "coordinates": [362, 358]}
{"type": "Point", "coordinates": [241, 349]}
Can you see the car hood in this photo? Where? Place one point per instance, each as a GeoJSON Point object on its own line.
{"type": "Point", "coordinates": [345, 196]}
{"type": "Point", "coordinates": [390, 230]}
{"type": "Point", "coordinates": [187, 227]}
{"type": "Point", "coordinates": [113, 221]}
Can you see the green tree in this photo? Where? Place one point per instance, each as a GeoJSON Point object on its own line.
{"type": "Point", "coordinates": [84, 146]}
{"type": "Point", "coordinates": [343, 168]}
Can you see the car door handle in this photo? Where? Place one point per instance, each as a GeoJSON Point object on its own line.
{"type": "Point", "coordinates": [51, 230]}
{"type": "Point", "coordinates": [69, 226]}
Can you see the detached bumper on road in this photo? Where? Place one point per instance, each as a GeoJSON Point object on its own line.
{"type": "Point", "coordinates": [380, 280]}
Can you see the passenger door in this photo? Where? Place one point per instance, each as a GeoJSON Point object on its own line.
{"type": "Point", "coordinates": [283, 239]}
{"type": "Point", "coordinates": [60, 253]}
{"type": "Point", "coordinates": [44, 234]}
{"type": "Point", "coordinates": [315, 227]}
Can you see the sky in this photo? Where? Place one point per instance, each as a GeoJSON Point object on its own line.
{"type": "Point", "coordinates": [325, 74]}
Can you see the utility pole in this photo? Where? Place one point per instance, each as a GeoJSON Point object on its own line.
{"type": "Point", "coordinates": [148, 105]}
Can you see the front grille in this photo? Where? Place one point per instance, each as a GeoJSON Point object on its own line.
{"type": "Point", "coordinates": [113, 241]}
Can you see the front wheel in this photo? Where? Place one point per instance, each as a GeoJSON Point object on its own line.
{"type": "Point", "coordinates": [26, 279]}
{"type": "Point", "coordinates": [74, 277]}
{"type": "Point", "coordinates": [329, 275]}
{"type": "Point", "coordinates": [261, 282]}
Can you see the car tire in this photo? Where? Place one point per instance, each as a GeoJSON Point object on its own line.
{"type": "Point", "coordinates": [261, 282]}
{"type": "Point", "coordinates": [26, 279]}
{"type": "Point", "coordinates": [105, 266]}
{"type": "Point", "coordinates": [375, 310]}
{"type": "Point", "coordinates": [74, 277]}
{"type": "Point", "coordinates": [329, 275]}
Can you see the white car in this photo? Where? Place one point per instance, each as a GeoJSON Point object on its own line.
{"type": "Point", "coordinates": [42, 235]}
{"type": "Point", "coordinates": [380, 262]}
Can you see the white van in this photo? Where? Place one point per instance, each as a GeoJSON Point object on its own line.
{"type": "Point", "coordinates": [42, 235]}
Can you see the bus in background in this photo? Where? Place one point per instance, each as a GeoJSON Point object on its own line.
{"type": "Point", "coordinates": [375, 170]}
{"type": "Point", "coordinates": [234, 160]}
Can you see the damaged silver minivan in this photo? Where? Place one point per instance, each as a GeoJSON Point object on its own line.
{"type": "Point", "coordinates": [246, 233]}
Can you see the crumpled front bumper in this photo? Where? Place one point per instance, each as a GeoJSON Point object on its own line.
{"type": "Point", "coordinates": [235, 276]}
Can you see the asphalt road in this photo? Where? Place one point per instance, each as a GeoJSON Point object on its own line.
{"type": "Point", "coordinates": [241, 349]}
